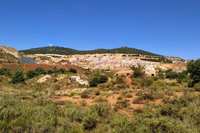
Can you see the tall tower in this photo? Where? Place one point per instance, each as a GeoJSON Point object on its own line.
{"type": "Point", "coordinates": [99, 65]}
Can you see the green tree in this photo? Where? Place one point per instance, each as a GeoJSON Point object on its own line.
{"type": "Point", "coordinates": [138, 73]}
{"type": "Point", "coordinates": [103, 79]}
{"type": "Point", "coordinates": [73, 70]}
{"type": "Point", "coordinates": [62, 70]}
{"type": "Point", "coordinates": [31, 73]}
{"type": "Point", "coordinates": [97, 79]}
{"type": "Point", "coordinates": [171, 75]}
{"type": "Point", "coordinates": [49, 71]}
{"type": "Point", "coordinates": [5, 71]}
{"type": "Point", "coordinates": [93, 81]}
{"type": "Point", "coordinates": [193, 68]}
{"type": "Point", "coordinates": [18, 78]}
{"type": "Point", "coordinates": [40, 71]}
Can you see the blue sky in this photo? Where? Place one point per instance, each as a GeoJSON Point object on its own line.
{"type": "Point", "coordinates": [167, 27]}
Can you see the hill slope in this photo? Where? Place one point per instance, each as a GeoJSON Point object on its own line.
{"type": "Point", "coordinates": [68, 51]}
{"type": "Point", "coordinates": [8, 55]}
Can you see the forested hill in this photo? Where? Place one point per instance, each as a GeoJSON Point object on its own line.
{"type": "Point", "coordinates": [68, 51]}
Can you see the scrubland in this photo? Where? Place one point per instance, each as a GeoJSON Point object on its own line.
{"type": "Point", "coordinates": [107, 104]}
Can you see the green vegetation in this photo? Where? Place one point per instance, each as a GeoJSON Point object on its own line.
{"type": "Point", "coordinates": [31, 74]}
{"type": "Point", "coordinates": [73, 70]}
{"type": "Point", "coordinates": [5, 71]}
{"type": "Point", "coordinates": [193, 69]}
{"type": "Point", "coordinates": [18, 78]}
{"type": "Point", "coordinates": [160, 59]}
{"type": "Point", "coordinates": [8, 58]}
{"type": "Point", "coordinates": [40, 71]}
{"type": "Point", "coordinates": [112, 103]}
{"type": "Point", "coordinates": [97, 79]}
{"type": "Point", "coordinates": [138, 73]}
{"type": "Point", "coordinates": [68, 51]}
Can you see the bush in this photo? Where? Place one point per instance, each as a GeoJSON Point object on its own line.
{"type": "Point", "coordinates": [93, 82]}
{"type": "Point", "coordinates": [40, 71]}
{"type": "Point", "coordinates": [138, 73]}
{"type": "Point", "coordinates": [49, 71]}
{"type": "Point", "coordinates": [197, 86]}
{"type": "Point", "coordinates": [103, 109]}
{"type": "Point", "coordinates": [147, 82]}
{"type": "Point", "coordinates": [194, 69]}
{"type": "Point", "coordinates": [85, 95]}
{"type": "Point", "coordinates": [171, 75]}
{"type": "Point", "coordinates": [31, 74]}
{"type": "Point", "coordinates": [122, 104]}
{"type": "Point", "coordinates": [97, 79]}
{"type": "Point", "coordinates": [89, 119]}
{"type": "Point", "coordinates": [18, 78]}
{"type": "Point", "coordinates": [5, 71]}
{"type": "Point", "coordinates": [100, 99]}
{"type": "Point", "coordinates": [128, 95]}
{"type": "Point", "coordinates": [73, 70]}
{"type": "Point", "coordinates": [103, 79]}
{"type": "Point", "coordinates": [62, 70]}
{"type": "Point", "coordinates": [138, 100]}
{"type": "Point", "coordinates": [72, 93]}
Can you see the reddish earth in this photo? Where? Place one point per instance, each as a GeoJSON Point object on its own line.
{"type": "Point", "coordinates": [14, 67]}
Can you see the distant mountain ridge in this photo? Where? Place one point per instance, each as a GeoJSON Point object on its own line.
{"type": "Point", "coordinates": [69, 51]}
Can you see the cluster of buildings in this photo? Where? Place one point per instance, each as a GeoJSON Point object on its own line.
{"type": "Point", "coordinates": [148, 71]}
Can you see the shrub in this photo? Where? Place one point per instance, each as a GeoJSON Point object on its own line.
{"type": "Point", "coordinates": [122, 104]}
{"type": "Point", "coordinates": [169, 110]}
{"type": "Point", "coordinates": [72, 93]}
{"type": "Point", "coordinates": [197, 86]}
{"type": "Point", "coordinates": [89, 119]}
{"type": "Point", "coordinates": [93, 82]}
{"type": "Point", "coordinates": [5, 71]}
{"type": "Point", "coordinates": [97, 79]}
{"type": "Point", "coordinates": [119, 80]}
{"type": "Point", "coordinates": [73, 70]}
{"type": "Point", "coordinates": [102, 109]}
{"type": "Point", "coordinates": [122, 124]}
{"type": "Point", "coordinates": [171, 75]}
{"type": "Point", "coordinates": [31, 74]}
{"type": "Point", "coordinates": [83, 103]}
{"type": "Point", "coordinates": [138, 100]}
{"type": "Point", "coordinates": [100, 99]}
{"type": "Point", "coordinates": [138, 73]}
{"type": "Point", "coordinates": [128, 95]}
{"type": "Point", "coordinates": [119, 98]}
{"type": "Point", "coordinates": [40, 71]}
{"type": "Point", "coordinates": [97, 92]}
{"type": "Point", "coordinates": [103, 79]}
{"type": "Point", "coordinates": [147, 82]}
{"type": "Point", "coordinates": [49, 71]}
{"type": "Point", "coordinates": [18, 78]}
{"type": "Point", "coordinates": [85, 95]}
{"type": "Point", "coordinates": [57, 87]}
{"type": "Point", "coordinates": [194, 69]}
{"type": "Point", "coordinates": [62, 70]}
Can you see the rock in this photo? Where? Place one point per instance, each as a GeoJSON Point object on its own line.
{"type": "Point", "coordinates": [79, 80]}
{"type": "Point", "coordinates": [44, 79]}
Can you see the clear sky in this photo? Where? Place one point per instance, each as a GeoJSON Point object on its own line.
{"type": "Point", "coordinates": [167, 27]}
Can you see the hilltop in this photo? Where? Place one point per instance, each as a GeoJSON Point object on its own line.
{"type": "Point", "coordinates": [69, 51]}
{"type": "Point", "coordinates": [8, 55]}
